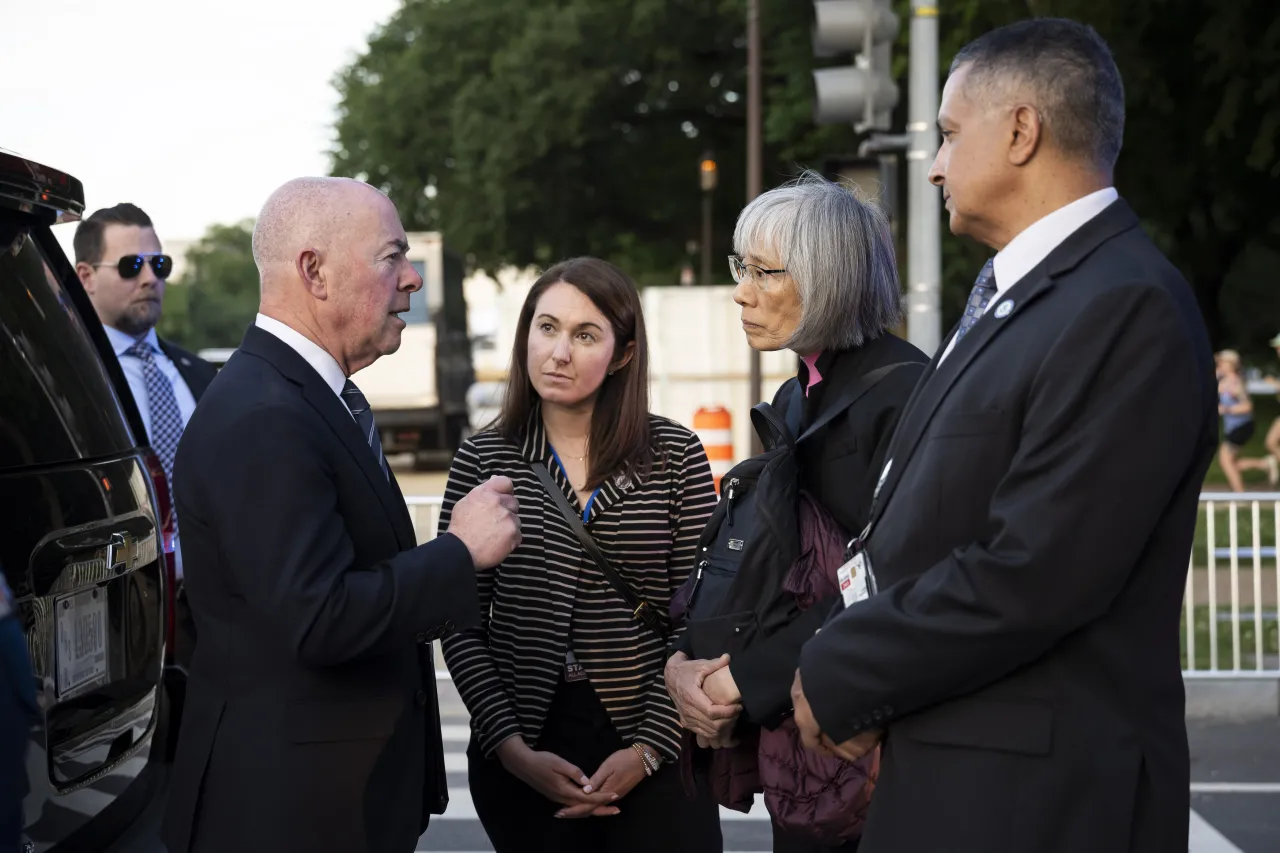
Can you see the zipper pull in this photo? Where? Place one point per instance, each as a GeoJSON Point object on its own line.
{"type": "Point", "coordinates": [697, 579]}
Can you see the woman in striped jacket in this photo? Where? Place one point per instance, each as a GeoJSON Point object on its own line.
{"type": "Point", "coordinates": [574, 737]}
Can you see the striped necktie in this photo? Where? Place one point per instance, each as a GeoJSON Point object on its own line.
{"type": "Point", "coordinates": [983, 291]}
{"type": "Point", "coordinates": [360, 410]}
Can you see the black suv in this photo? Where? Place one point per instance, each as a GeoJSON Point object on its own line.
{"type": "Point", "coordinates": [85, 540]}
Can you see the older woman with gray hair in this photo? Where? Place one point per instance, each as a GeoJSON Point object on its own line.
{"type": "Point", "coordinates": [816, 275]}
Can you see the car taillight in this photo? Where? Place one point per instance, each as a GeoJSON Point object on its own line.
{"type": "Point", "coordinates": [164, 503]}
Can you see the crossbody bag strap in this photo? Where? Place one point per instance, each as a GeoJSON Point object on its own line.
{"type": "Point", "coordinates": [640, 608]}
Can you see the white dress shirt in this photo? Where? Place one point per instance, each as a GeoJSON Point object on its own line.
{"type": "Point", "coordinates": [132, 367]}
{"type": "Point", "coordinates": [314, 354]}
{"type": "Point", "coordinates": [1025, 251]}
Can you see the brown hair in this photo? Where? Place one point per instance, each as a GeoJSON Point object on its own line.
{"type": "Point", "coordinates": [88, 242]}
{"type": "Point", "coordinates": [619, 441]}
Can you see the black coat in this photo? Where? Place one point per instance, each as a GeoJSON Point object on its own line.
{"type": "Point", "coordinates": [838, 466]}
{"type": "Point", "coordinates": [311, 720]}
{"type": "Point", "coordinates": [1030, 545]}
{"type": "Point", "coordinates": [193, 369]}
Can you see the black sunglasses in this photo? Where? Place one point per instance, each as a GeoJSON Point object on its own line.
{"type": "Point", "coordinates": [130, 265]}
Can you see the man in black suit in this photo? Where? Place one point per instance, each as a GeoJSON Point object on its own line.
{"type": "Point", "coordinates": [311, 720]}
{"type": "Point", "coordinates": [124, 271]}
{"type": "Point", "coordinates": [1029, 544]}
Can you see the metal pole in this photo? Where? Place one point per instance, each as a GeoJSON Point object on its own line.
{"type": "Point", "coordinates": [924, 248]}
{"type": "Point", "coordinates": [755, 176]}
{"type": "Point", "coordinates": [706, 237]}
{"type": "Point", "coordinates": [754, 156]}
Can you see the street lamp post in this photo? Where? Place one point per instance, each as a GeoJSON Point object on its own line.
{"type": "Point", "coordinates": [754, 176]}
{"type": "Point", "coordinates": [708, 177]}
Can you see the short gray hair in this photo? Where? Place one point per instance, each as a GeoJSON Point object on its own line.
{"type": "Point", "coordinates": [838, 249]}
{"type": "Point", "coordinates": [1071, 75]}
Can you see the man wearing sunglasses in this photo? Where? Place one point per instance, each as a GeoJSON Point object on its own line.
{"type": "Point", "coordinates": [120, 264]}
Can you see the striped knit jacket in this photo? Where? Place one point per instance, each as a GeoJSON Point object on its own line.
{"type": "Point", "coordinates": [549, 593]}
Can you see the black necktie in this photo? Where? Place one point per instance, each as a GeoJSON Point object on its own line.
{"type": "Point", "coordinates": [359, 407]}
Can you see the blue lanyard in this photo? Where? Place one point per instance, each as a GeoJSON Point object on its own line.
{"type": "Point", "coordinates": [586, 512]}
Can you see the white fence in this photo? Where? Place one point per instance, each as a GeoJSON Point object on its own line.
{"type": "Point", "coordinates": [1230, 626]}
{"type": "Point", "coordinates": [425, 512]}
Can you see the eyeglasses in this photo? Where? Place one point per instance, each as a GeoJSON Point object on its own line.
{"type": "Point", "coordinates": [130, 265]}
{"type": "Point", "coordinates": [758, 276]}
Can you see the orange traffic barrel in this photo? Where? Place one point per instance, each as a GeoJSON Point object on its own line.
{"type": "Point", "coordinates": [714, 427]}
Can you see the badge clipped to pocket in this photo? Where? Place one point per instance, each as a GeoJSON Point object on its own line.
{"type": "Point", "coordinates": [573, 670]}
{"type": "Point", "coordinates": [855, 578]}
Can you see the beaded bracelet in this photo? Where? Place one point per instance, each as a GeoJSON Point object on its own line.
{"type": "Point", "coordinates": [649, 768]}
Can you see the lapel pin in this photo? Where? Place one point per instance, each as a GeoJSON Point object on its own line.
{"type": "Point", "coordinates": [1004, 309]}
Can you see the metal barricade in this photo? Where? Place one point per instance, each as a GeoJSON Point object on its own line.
{"type": "Point", "coordinates": [1230, 626]}
{"type": "Point", "coordinates": [424, 510]}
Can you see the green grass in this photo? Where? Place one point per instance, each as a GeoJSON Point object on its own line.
{"type": "Point", "coordinates": [1226, 640]}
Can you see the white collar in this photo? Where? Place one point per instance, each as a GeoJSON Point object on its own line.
{"type": "Point", "coordinates": [122, 342]}
{"type": "Point", "coordinates": [1025, 251]}
{"type": "Point", "coordinates": [316, 356]}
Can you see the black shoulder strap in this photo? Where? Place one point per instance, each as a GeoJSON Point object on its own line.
{"type": "Point", "coordinates": [795, 406]}
{"type": "Point", "coordinates": [640, 608]}
{"type": "Point", "coordinates": [864, 384]}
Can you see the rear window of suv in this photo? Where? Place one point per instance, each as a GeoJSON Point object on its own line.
{"type": "Point", "coordinates": [57, 403]}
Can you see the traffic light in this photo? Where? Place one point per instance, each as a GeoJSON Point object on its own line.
{"type": "Point", "coordinates": [863, 93]}
{"type": "Point", "coordinates": [873, 176]}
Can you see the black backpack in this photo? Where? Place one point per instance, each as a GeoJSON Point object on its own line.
{"type": "Point", "coordinates": [735, 592]}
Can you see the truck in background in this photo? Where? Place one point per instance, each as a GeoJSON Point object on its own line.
{"type": "Point", "coordinates": [419, 393]}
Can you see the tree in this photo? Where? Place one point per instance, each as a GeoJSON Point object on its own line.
{"type": "Point", "coordinates": [217, 297]}
{"type": "Point", "coordinates": [530, 130]}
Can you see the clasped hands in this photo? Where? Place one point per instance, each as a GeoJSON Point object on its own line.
{"type": "Point", "coordinates": [709, 703]}
{"type": "Point", "coordinates": [562, 782]}
{"type": "Point", "coordinates": [706, 697]}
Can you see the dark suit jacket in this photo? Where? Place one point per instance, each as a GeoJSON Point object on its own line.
{"type": "Point", "coordinates": [311, 720]}
{"type": "Point", "coordinates": [838, 465]}
{"type": "Point", "coordinates": [193, 369]}
{"type": "Point", "coordinates": [1031, 543]}
{"type": "Point", "coordinates": [197, 373]}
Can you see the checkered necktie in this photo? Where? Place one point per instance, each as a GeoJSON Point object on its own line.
{"type": "Point", "coordinates": [359, 407]}
{"type": "Point", "coordinates": [983, 291]}
{"type": "Point", "coordinates": [166, 418]}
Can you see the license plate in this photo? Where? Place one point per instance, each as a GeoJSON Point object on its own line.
{"type": "Point", "coordinates": [82, 639]}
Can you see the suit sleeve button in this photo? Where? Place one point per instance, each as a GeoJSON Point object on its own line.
{"type": "Point", "coordinates": [421, 638]}
{"type": "Point", "coordinates": [420, 698]}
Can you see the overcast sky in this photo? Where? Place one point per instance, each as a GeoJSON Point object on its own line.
{"type": "Point", "coordinates": [192, 110]}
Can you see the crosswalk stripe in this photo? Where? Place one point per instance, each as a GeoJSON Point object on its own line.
{"type": "Point", "coordinates": [1203, 838]}
{"type": "Point", "coordinates": [1235, 787]}
{"type": "Point", "coordinates": [455, 734]}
